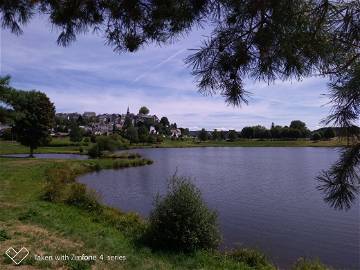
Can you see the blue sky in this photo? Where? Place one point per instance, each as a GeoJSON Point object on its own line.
{"type": "Point", "coordinates": [89, 76]}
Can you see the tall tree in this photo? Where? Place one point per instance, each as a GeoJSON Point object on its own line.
{"type": "Point", "coordinates": [76, 133]}
{"type": "Point", "coordinates": [143, 133]}
{"type": "Point", "coordinates": [132, 134]}
{"type": "Point", "coordinates": [164, 121]}
{"type": "Point", "coordinates": [34, 115]}
{"type": "Point", "coordinates": [203, 135]}
{"type": "Point", "coordinates": [144, 110]}
{"type": "Point", "coordinates": [232, 135]}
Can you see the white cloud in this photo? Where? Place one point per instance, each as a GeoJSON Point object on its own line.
{"type": "Point", "coordinates": [88, 76]}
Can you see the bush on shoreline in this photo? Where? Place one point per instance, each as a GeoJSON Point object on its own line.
{"type": "Point", "coordinates": [251, 257]}
{"type": "Point", "coordinates": [306, 264]}
{"type": "Point", "coordinates": [107, 143]}
{"type": "Point", "coordinates": [181, 220]}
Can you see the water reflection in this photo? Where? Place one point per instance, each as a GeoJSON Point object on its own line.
{"type": "Point", "coordinates": [266, 198]}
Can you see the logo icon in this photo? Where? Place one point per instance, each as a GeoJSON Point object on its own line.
{"type": "Point", "coordinates": [17, 256]}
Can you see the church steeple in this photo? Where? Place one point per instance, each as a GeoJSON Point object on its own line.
{"type": "Point", "coordinates": [128, 110]}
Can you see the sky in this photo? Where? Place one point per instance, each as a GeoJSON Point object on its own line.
{"type": "Point", "coordinates": [89, 76]}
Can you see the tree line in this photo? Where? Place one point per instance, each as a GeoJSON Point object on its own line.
{"type": "Point", "coordinates": [297, 129]}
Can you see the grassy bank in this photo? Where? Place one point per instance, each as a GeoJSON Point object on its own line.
{"type": "Point", "coordinates": [245, 143]}
{"type": "Point", "coordinates": [49, 228]}
{"type": "Point", "coordinates": [9, 147]}
{"type": "Point", "coordinates": [63, 145]}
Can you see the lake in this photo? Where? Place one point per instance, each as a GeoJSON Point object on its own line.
{"type": "Point", "coordinates": [265, 197]}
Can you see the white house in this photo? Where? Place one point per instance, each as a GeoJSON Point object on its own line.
{"type": "Point", "coordinates": [176, 133]}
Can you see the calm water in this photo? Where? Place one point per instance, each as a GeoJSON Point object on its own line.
{"type": "Point", "coordinates": [266, 198]}
{"type": "Point", "coordinates": [58, 156]}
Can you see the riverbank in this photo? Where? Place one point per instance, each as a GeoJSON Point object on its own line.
{"type": "Point", "coordinates": [49, 228]}
{"type": "Point", "coordinates": [243, 143]}
{"type": "Point", "coordinates": [64, 146]}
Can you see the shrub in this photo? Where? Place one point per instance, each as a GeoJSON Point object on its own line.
{"type": "Point", "coordinates": [3, 235]}
{"type": "Point", "coordinates": [76, 134]}
{"type": "Point", "coordinates": [56, 179]}
{"type": "Point", "coordinates": [107, 143]}
{"type": "Point", "coordinates": [7, 134]}
{"type": "Point", "coordinates": [251, 257]}
{"type": "Point", "coordinates": [94, 151]}
{"type": "Point", "coordinates": [316, 136]}
{"type": "Point", "coordinates": [79, 196]}
{"type": "Point", "coordinates": [181, 221]}
{"type": "Point", "coordinates": [93, 138]}
{"type": "Point", "coordinates": [304, 264]}
{"type": "Point", "coordinates": [329, 133]}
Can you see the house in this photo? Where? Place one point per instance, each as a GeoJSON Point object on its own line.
{"type": "Point", "coordinates": [104, 118]}
{"type": "Point", "coordinates": [175, 133]}
{"type": "Point", "coordinates": [152, 130]}
{"type": "Point", "coordinates": [89, 114]}
{"type": "Point", "coordinates": [3, 127]}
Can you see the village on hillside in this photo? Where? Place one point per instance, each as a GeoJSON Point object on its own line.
{"type": "Point", "coordinates": [106, 124]}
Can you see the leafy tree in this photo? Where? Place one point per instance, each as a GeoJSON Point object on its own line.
{"type": "Point", "coordinates": [152, 138]}
{"type": "Point", "coordinates": [316, 136]}
{"type": "Point", "coordinates": [294, 133]}
{"type": "Point", "coordinates": [297, 124]}
{"type": "Point", "coordinates": [203, 135]}
{"type": "Point", "coordinates": [215, 135]}
{"type": "Point", "coordinates": [300, 126]}
{"type": "Point", "coordinates": [185, 131]}
{"type": "Point", "coordinates": [275, 131]}
{"type": "Point", "coordinates": [164, 121]}
{"type": "Point", "coordinates": [222, 135]}
{"type": "Point", "coordinates": [127, 122]}
{"type": "Point", "coordinates": [34, 115]}
{"type": "Point", "coordinates": [329, 133]}
{"type": "Point", "coordinates": [7, 134]}
{"type": "Point", "coordinates": [81, 121]}
{"type": "Point", "coordinates": [107, 143]}
{"type": "Point", "coordinates": [132, 134]}
{"type": "Point", "coordinates": [76, 133]}
{"type": "Point", "coordinates": [248, 132]}
{"type": "Point", "coordinates": [261, 132]}
{"type": "Point", "coordinates": [232, 135]}
{"type": "Point", "coordinates": [144, 110]}
{"type": "Point", "coordinates": [181, 221]}
{"type": "Point", "coordinates": [143, 134]}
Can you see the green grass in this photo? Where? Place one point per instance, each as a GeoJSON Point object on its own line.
{"type": "Point", "coordinates": [57, 146]}
{"type": "Point", "coordinates": [57, 228]}
{"type": "Point", "coordinates": [64, 145]}
{"type": "Point", "coordinates": [245, 143]}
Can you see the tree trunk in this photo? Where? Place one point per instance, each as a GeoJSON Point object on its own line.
{"type": "Point", "coordinates": [31, 152]}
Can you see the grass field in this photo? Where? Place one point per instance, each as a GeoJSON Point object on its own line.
{"type": "Point", "coordinates": [63, 145]}
{"type": "Point", "coordinates": [9, 147]}
{"type": "Point", "coordinates": [246, 143]}
{"type": "Point", "coordinates": [48, 228]}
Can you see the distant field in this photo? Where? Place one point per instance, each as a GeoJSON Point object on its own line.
{"type": "Point", "coordinates": [248, 143]}
{"type": "Point", "coordinates": [57, 146]}
{"type": "Point", "coordinates": [64, 145]}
